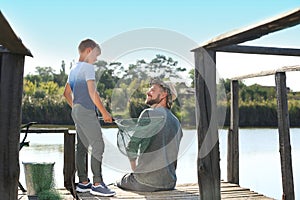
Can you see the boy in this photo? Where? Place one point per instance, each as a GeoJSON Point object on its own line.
{"type": "Point", "coordinates": [80, 93]}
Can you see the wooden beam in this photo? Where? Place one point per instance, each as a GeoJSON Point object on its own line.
{"type": "Point", "coordinates": [11, 88]}
{"type": "Point", "coordinates": [260, 50]}
{"type": "Point", "coordinates": [255, 31]}
{"type": "Point", "coordinates": [69, 161]}
{"type": "Point", "coordinates": [284, 137]}
{"type": "Point", "coordinates": [45, 130]}
{"type": "Point", "coordinates": [208, 165]}
{"type": "Point", "coordinates": [233, 136]}
{"type": "Point", "coordinates": [268, 72]}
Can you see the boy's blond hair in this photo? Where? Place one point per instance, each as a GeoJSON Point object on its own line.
{"type": "Point", "coordinates": [88, 43]}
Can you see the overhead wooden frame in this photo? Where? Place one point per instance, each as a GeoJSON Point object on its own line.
{"type": "Point", "coordinates": [260, 50]}
{"type": "Point", "coordinates": [255, 31]}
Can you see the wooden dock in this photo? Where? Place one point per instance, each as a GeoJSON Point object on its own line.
{"type": "Point", "coordinates": [182, 191]}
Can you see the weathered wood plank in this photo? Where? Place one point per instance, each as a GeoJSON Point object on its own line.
{"type": "Point", "coordinates": [45, 130]}
{"type": "Point", "coordinates": [11, 87]}
{"type": "Point", "coordinates": [227, 184]}
{"type": "Point", "coordinates": [259, 50]}
{"type": "Point", "coordinates": [237, 188]}
{"type": "Point", "coordinates": [69, 161]}
{"type": "Point", "coordinates": [268, 72]}
{"type": "Point", "coordinates": [64, 194]}
{"type": "Point", "coordinates": [241, 195]}
{"type": "Point", "coordinates": [255, 31]}
{"type": "Point", "coordinates": [208, 165]}
{"type": "Point", "coordinates": [233, 136]}
{"type": "Point", "coordinates": [184, 191]}
{"type": "Point", "coordinates": [284, 137]}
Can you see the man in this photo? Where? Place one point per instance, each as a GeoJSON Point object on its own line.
{"type": "Point", "coordinates": [153, 152]}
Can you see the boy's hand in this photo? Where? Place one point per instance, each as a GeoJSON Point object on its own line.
{"type": "Point", "coordinates": [107, 118]}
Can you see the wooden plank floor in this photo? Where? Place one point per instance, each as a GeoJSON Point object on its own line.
{"type": "Point", "coordinates": [182, 191]}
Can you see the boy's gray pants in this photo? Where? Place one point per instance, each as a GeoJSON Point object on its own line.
{"type": "Point", "coordinates": [88, 134]}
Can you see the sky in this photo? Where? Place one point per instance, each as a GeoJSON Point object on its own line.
{"type": "Point", "coordinates": [53, 29]}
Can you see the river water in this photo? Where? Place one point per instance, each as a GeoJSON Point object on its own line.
{"type": "Point", "coordinates": [259, 158]}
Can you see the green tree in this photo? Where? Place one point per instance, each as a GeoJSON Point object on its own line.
{"type": "Point", "coordinates": [29, 87]}
{"type": "Point", "coordinates": [46, 73]}
{"type": "Point", "coordinates": [61, 78]}
{"type": "Point", "coordinates": [35, 79]}
{"type": "Point", "coordinates": [159, 67]}
{"type": "Point", "coordinates": [50, 87]}
{"type": "Point", "coordinates": [192, 76]}
{"type": "Point", "coordinates": [106, 74]}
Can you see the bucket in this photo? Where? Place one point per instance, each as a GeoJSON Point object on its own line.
{"type": "Point", "coordinates": [38, 177]}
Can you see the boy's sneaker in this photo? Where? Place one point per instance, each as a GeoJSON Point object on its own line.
{"type": "Point", "coordinates": [84, 187]}
{"type": "Point", "coordinates": [102, 190]}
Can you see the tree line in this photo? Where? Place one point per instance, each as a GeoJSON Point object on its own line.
{"type": "Point", "coordinates": [123, 88]}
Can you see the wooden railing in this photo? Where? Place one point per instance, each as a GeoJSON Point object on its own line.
{"type": "Point", "coordinates": [283, 129]}
{"type": "Point", "coordinates": [69, 152]}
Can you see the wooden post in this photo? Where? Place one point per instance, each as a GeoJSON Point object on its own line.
{"type": "Point", "coordinates": [284, 137]}
{"type": "Point", "coordinates": [208, 165]}
{"type": "Point", "coordinates": [69, 160]}
{"type": "Point", "coordinates": [11, 87]}
{"type": "Point", "coordinates": [233, 136]}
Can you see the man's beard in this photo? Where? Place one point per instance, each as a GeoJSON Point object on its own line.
{"type": "Point", "coordinates": [153, 101]}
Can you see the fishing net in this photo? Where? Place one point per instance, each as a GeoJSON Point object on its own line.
{"type": "Point", "coordinates": [137, 129]}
